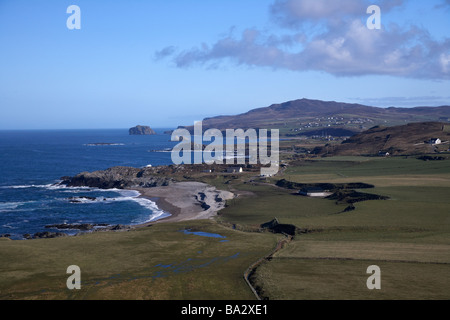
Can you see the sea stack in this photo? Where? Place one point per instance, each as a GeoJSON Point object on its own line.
{"type": "Point", "coordinates": [142, 131]}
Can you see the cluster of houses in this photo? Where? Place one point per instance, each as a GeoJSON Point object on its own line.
{"type": "Point", "coordinates": [233, 170]}
{"type": "Point", "coordinates": [229, 170]}
{"type": "Point", "coordinates": [433, 141]}
{"type": "Point", "coordinates": [240, 170]}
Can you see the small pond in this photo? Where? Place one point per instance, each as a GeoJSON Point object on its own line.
{"type": "Point", "coordinates": [204, 234]}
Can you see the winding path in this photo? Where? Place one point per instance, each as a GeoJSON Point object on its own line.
{"type": "Point", "coordinates": [255, 265]}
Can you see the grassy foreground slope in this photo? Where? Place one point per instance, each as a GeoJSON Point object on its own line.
{"type": "Point", "coordinates": [158, 262]}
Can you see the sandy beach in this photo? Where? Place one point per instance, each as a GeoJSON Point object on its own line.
{"type": "Point", "coordinates": [186, 200]}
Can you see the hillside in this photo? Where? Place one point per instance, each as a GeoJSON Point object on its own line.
{"type": "Point", "coordinates": [300, 117]}
{"type": "Point", "coordinates": [396, 140]}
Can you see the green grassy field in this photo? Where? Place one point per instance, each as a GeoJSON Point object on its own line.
{"type": "Point", "coordinates": [325, 279]}
{"type": "Point", "coordinates": [159, 262]}
{"type": "Point", "coordinates": [407, 236]}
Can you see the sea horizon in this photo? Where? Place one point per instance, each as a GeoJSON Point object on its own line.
{"type": "Point", "coordinates": [158, 129]}
{"type": "Point", "coordinates": [33, 162]}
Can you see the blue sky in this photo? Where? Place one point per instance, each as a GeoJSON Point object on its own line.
{"type": "Point", "coordinates": [169, 63]}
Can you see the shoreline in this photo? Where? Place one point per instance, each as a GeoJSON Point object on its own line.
{"type": "Point", "coordinates": [185, 201]}
{"type": "Point", "coordinates": [180, 201]}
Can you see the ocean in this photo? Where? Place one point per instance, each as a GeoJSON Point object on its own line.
{"type": "Point", "coordinates": [32, 163]}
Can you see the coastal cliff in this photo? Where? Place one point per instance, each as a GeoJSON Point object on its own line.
{"type": "Point", "coordinates": [118, 177]}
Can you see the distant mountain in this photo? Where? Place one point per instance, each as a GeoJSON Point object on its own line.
{"type": "Point", "coordinates": [300, 116]}
{"type": "Point", "coordinates": [410, 139]}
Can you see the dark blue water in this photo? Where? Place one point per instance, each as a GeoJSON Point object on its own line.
{"type": "Point", "coordinates": [204, 234]}
{"type": "Point", "coordinates": [32, 161]}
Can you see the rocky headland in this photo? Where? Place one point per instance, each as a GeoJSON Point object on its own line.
{"type": "Point", "coordinates": [186, 200]}
{"type": "Point", "coordinates": [119, 178]}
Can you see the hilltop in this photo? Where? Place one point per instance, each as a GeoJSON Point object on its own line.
{"type": "Point", "coordinates": [309, 117]}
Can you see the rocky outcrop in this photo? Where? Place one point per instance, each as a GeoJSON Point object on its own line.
{"type": "Point", "coordinates": [118, 177]}
{"type": "Point", "coordinates": [82, 226]}
{"type": "Point", "coordinates": [86, 227]}
{"type": "Point", "coordinates": [276, 227]}
{"type": "Point", "coordinates": [98, 227]}
{"type": "Point", "coordinates": [81, 199]}
{"type": "Point", "coordinates": [283, 183]}
{"type": "Point", "coordinates": [45, 235]}
{"type": "Point", "coordinates": [142, 131]}
{"type": "Point", "coordinates": [352, 196]}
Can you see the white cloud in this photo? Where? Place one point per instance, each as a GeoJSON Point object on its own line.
{"type": "Point", "coordinates": [404, 101]}
{"type": "Point", "coordinates": [445, 62]}
{"type": "Point", "coordinates": [343, 46]}
{"type": "Point", "coordinates": [294, 12]}
{"type": "Point", "coordinates": [165, 52]}
{"type": "Point", "coordinates": [443, 4]}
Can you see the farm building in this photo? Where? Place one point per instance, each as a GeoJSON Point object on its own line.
{"type": "Point", "coordinates": [434, 141]}
{"type": "Point", "coordinates": [235, 170]}
{"type": "Point", "coordinates": [313, 192]}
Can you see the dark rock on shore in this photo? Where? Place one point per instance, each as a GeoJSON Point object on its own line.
{"type": "Point", "coordinates": [82, 227]}
{"type": "Point", "coordinates": [80, 199]}
{"type": "Point", "coordinates": [118, 177]}
{"type": "Point", "coordinates": [119, 227]}
{"type": "Point", "coordinates": [87, 227]}
{"type": "Point", "coordinates": [45, 235]}
{"type": "Point", "coordinates": [141, 131]}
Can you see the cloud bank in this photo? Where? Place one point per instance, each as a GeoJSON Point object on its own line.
{"type": "Point", "coordinates": [404, 101]}
{"type": "Point", "coordinates": [340, 43]}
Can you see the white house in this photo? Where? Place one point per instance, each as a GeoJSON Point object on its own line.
{"type": "Point", "coordinates": [435, 141]}
{"type": "Point", "coordinates": [266, 175]}
{"type": "Point", "coordinates": [235, 170]}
